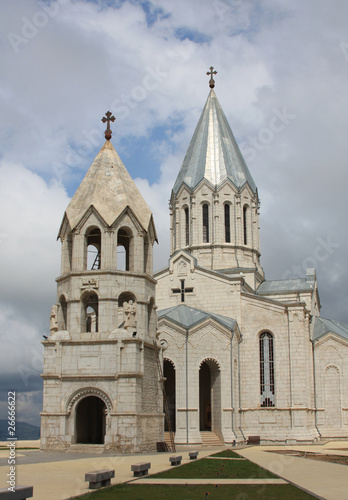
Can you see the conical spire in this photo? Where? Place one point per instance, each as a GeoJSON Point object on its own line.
{"type": "Point", "coordinates": [108, 187]}
{"type": "Point", "coordinates": [213, 153]}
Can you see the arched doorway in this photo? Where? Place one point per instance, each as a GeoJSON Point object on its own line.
{"type": "Point", "coordinates": [90, 421]}
{"type": "Point", "coordinates": [169, 386]}
{"type": "Point", "coordinates": [209, 397]}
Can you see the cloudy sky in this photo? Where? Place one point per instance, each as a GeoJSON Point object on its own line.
{"type": "Point", "coordinates": [283, 84]}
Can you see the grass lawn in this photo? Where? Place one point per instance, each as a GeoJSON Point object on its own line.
{"type": "Point", "coordinates": [198, 492]}
{"type": "Point", "coordinates": [223, 469]}
{"type": "Point", "coordinates": [227, 454]}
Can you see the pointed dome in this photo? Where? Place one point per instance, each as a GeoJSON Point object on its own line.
{"type": "Point", "coordinates": [108, 187]}
{"type": "Point", "coordinates": [213, 153]}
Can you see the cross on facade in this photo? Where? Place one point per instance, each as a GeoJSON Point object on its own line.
{"type": "Point", "coordinates": [211, 73]}
{"type": "Point", "coordinates": [182, 290]}
{"type": "Point", "coordinates": [109, 118]}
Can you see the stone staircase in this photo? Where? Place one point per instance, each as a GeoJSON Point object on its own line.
{"type": "Point", "coordinates": [208, 439]}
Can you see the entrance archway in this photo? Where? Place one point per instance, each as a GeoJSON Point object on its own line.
{"type": "Point", "coordinates": [90, 421]}
{"type": "Point", "coordinates": [209, 396]}
{"type": "Point", "coordinates": [169, 386]}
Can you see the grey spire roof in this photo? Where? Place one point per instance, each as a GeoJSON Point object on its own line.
{"type": "Point", "coordinates": [213, 153]}
{"type": "Point", "coordinates": [187, 316]}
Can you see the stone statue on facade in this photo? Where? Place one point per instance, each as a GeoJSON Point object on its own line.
{"type": "Point", "coordinates": [54, 319]}
{"type": "Point", "coordinates": [130, 314]}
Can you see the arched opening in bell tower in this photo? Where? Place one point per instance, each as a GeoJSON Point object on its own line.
{"type": "Point", "coordinates": [209, 396]}
{"type": "Point", "coordinates": [90, 421]}
{"type": "Point", "coordinates": [90, 312]}
{"type": "Point", "coordinates": [93, 247]}
{"type": "Point", "coordinates": [125, 250]}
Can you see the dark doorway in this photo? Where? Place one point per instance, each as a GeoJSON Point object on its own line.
{"type": "Point", "coordinates": [204, 398]}
{"type": "Point", "coordinates": [90, 421]}
{"type": "Point", "coordinates": [169, 385]}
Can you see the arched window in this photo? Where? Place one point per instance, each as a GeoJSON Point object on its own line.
{"type": "Point", "coordinates": [187, 226]}
{"type": "Point", "coordinates": [93, 244]}
{"type": "Point", "coordinates": [245, 224]}
{"type": "Point", "coordinates": [62, 314]}
{"type": "Point", "coordinates": [205, 213]}
{"type": "Point", "coordinates": [227, 223]}
{"type": "Point", "coordinates": [267, 370]}
{"type": "Point", "coordinates": [125, 250]}
{"type": "Point", "coordinates": [90, 312]}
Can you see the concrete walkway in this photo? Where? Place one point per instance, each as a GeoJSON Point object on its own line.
{"type": "Point", "coordinates": [59, 476]}
{"type": "Point", "coordinates": [327, 480]}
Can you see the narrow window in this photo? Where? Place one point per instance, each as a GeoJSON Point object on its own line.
{"type": "Point", "coordinates": [245, 224]}
{"type": "Point", "coordinates": [187, 227]}
{"type": "Point", "coordinates": [205, 209]}
{"type": "Point", "coordinates": [266, 370]}
{"type": "Point", "coordinates": [227, 224]}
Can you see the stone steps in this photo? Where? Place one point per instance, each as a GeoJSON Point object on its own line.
{"type": "Point", "coordinates": [208, 439]}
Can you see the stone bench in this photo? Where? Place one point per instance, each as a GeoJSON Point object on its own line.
{"type": "Point", "coordinates": [99, 478]}
{"type": "Point", "coordinates": [19, 493]}
{"type": "Point", "coordinates": [193, 455]}
{"type": "Point", "coordinates": [141, 469]}
{"type": "Point", "coordinates": [253, 440]}
{"type": "Point", "coordinates": [175, 460]}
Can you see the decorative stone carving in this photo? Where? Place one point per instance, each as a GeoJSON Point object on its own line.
{"type": "Point", "coordinates": [130, 314]}
{"type": "Point", "coordinates": [54, 319]}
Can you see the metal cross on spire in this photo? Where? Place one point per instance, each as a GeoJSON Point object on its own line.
{"type": "Point", "coordinates": [109, 118]}
{"type": "Point", "coordinates": [211, 73]}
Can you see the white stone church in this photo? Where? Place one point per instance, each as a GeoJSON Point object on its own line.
{"type": "Point", "coordinates": [239, 355]}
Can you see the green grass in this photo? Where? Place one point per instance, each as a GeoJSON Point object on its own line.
{"type": "Point", "coordinates": [198, 492]}
{"type": "Point", "coordinates": [227, 454]}
{"type": "Point", "coordinates": [223, 469]}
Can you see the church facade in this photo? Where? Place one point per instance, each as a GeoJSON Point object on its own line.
{"type": "Point", "coordinates": [241, 356]}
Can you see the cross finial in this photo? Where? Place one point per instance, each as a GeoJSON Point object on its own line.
{"type": "Point", "coordinates": [108, 119]}
{"type": "Point", "coordinates": [211, 73]}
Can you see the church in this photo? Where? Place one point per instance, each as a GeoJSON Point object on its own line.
{"type": "Point", "coordinates": [236, 355]}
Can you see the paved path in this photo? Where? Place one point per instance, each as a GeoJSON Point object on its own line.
{"type": "Point", "coordinates": [211, 481]}
{"type": "Point", "coordinates": [59, 476]}
{"type": "Point", "coordinates": [327, 480]}
{"type": "Point", "coordinates": [64, 477]}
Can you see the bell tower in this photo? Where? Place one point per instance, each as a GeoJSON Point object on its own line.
{"type": "Point", "coordinates": [101, 383]}
{"type": "Point", "coordinates": [214, 205]}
